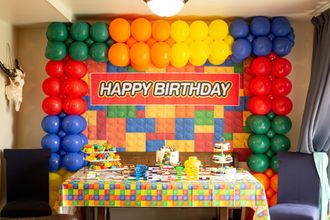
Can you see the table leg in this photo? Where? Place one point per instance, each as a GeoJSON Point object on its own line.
{"type": "Point", "coordinates": [223, 213]}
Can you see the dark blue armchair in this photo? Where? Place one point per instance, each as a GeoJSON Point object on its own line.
{"type": "Point", "coordinates": [298, 188]}
{"type": "Point", "coordinates": [27, 183]}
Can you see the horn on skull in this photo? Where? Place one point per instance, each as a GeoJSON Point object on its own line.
{"type": "Point", "coordinates": [5, 69]}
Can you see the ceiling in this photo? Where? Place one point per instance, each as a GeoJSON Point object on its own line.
{"type": "Point", "coordinates": [18, 12]}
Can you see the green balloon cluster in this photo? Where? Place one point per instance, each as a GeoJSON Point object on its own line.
{"type": "Point", "coordinates": [259, 124]}
{"type": "Point", "coordinates": [258, 162]}
{"type": "Point", "coordinates": [281, 124]}
{"type": "Point", "coordinates": [274, 163]}
{"type": "Point", "coordinates": [79, 40]}
{"type": "Point", "coordinates": [280, 143]}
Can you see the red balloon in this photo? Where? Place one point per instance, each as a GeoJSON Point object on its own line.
{"type": "Point", "coordinates": [282, 105]}
{"type": "Point", "coordinates": [259, 105]}
{"type": "Point", "coordinates": [51, 86]}
{"type": "Point", "coordinates": [52, 105]}
{"type": "Point", "coordinates": [75, 69]}
{"type": "Point", "coordinates": [272, 56]}
{"type": "Point", "coordinates": [281, 67]}
{"type": "Point", "coordinates": [281, 86]}
{"type": "Point", "coordinates": [55, 68]}
{"type": "Point", "coordinates": [271, 96]}
{"type": "Point", "coordinates": [74, 87]}
{"type": "Point", "coordinates": [260, 85]}
{"type": "Point", "coordinates": [261, 66]}
{"type": "Point", "coordinates": [74, 106]}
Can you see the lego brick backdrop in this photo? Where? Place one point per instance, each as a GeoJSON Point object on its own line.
{"type": "Point", "coordinates": [188, 128]}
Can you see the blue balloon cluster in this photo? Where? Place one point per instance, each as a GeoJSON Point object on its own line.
{"type": "Point", "coordinates": [65, 139]}
{"type": "Point", "coordinates": [262, 36]}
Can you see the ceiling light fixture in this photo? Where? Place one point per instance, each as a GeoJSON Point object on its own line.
{"type": "Point", "coordinates": [165, 8]}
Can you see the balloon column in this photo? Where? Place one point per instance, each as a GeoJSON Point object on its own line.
{"type": "Point", "coordinates": [269, 88]}
{"type": "Point", "coordinates": [160, 43]}
{"type": "Point", "coordinates": [261, 37]}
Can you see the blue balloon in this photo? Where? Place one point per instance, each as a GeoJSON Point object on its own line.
{"type": "Point", "coordinates": [250, 38]}
{"type": "Point", "coordinates": [282, 46]}
{"type": "Point", "coordinates": [239, 28]}
{"type": "Point", "coordinates": [84, 156]}
{"type": "Point", "coordinates": [61, 133]}
{"type": "Point", "coordinates": [262, 46]}
{"type": "Point", "coordinates": [271, 36]}
{"type": "Point", "coordinates": [74, 124]}
{"type": "Point", "coordinates": [281, 26]}
{"type": "Point", "coordinates": [54, 162]}
{"type": "Point", "coordinates": [260, 26]}
{"type": "Point", "coordinates": [241, 49]}
{"type": "Point", "coordinates": [291, 35]}
{"type": "Point", "coordinates": [51, 124]}
{"type": "Point", "coordinates": [51, 141]}
{"type": "Point", "coordinates": [72, 143]}
{"type": "Point", "coordinates": [62, 115]}
{"type": "Point", "coordinates": [73, 162]}
{"type": "Point", "coordinates": [236, 60]}
{"type": "Point", "coordinates": [61, 152]}
{"type": "Point", "coordinates": [84, 138]}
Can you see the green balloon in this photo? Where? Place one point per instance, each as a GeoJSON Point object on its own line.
{"type": "Point", "coordinates": [89, 41]}
{"type": "Point", "coordinates": [99, 32]}
{"type": "Point", "coordinates": [258, 162]}
{"type": "Point", "coordinates": [57, 31]}
{"type": "Point", "coordinates": [55, 50]}
{"type": "Point", "coordinates": [258, 143]}
{"type": "Point", "coordinates": [270, 153]}
{"type": "Point", "coordinates": [281, 124]}
{"type": "Point", "coordinates": [78, 50]}
{"type": "Point", "coordinates": [259, 124]}
{"type": "Point", "coordinates": [68, 41]}
{"type": "Point", "coordinates": [99, 52]}
{"type": "Point", "coordinates": [270, 133]}
{"type": "Point", "coordinates": [280, 143]}
{"type": "Point", "coordinates": [271, 115]}
{"type": "Point", "coordinates": [109, 42]}
{"type": "Point", "coordinates": [274, 164]}
{"type": "Point", "coordinates": [79, 31]}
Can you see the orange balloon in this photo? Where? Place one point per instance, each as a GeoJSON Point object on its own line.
{"type": "Point", "coordinates": [140, 67]}
{"type": "Point", "coordinates": [274, 182]}
{"type": "Point", "coordinates": [160, 54]}
{"type": "Point", "coordinates": [269, 172]}
{"type": "Point", "coordinates": [141, 29]}
{"type": "Point", "coordinates": [273, 200]}
{"type": "Point", "coordinates": [151, 42]}
{"type": "Point", "coordinates": [170, 41]}
{"type": "Point", "coordinates": [263, 179]}
{"type": "Point", "coordinates": [119, 30]}
{"type": "Point", "coordinates": [130, 42]}
{"type": "Point", "coordinates": [140, 54]}
{"type": "Point", "coordinates": [118, 54]}
{"type": "Point", "coordinates": [269, 193]}
{"type": "Point", "coordinates": [161, 30]}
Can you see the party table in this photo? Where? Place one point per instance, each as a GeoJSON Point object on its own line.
{"type": "Point", "coordinates": [227, 190]}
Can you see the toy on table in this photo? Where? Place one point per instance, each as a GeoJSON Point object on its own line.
{"type": "Point", "coordinates": [179, 170]}
{"type": "Point", "coordinates": [140, 171]}
{"type": "Point", "coordinates": [102, 157]}
{"type": "Point", "coordinates": [192, 168]}
{"type": "Point", "coordinates": [222, 158]}
{"type": "Point", "coordinates": [167, 156]}
{"type": "Point", "coordinates": [166, 173]}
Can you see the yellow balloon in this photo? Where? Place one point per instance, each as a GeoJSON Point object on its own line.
{"type": "Point", "coordinates": [198, 30]}
{"type": "Point", "coordinates": [199, 52]}
{"type": "Point", "coordinates": [208, 40]}
{"type": "Point", "coordinates": [179, 31]}
{"type": "Point", "coordinates": [62, 171]}
{"type": "Point", "coordinates": [229, 40]}
{"type": "Point", "coordinates": [188, 41]}
{"type": "Point", "coordinates": [180, 54]}
{"type": "Point", "coordinates": [67, 175]}
{"type": "Point", "coordinates": [53, 195]}
{"type": "Point", "coordinates": [55, 181]}
{"type": "Point", "coordinates": [219, 51]}
{"type": "Point", "coordinates": [218, 29]}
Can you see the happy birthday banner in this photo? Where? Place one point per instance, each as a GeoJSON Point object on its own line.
{"type": "Point", "coordinates": [168, 88]}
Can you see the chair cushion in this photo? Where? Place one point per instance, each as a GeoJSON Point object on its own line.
{"type": "Point", "coordinates": [289, 211]}
{"type": "Point", "coordinates": [26, 208]}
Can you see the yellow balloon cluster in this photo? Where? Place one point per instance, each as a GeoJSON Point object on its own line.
{"type": "Point", "coordinates": [55, 182]}
{"type": "Point", "coordinates": [192, 168]}
{"type": "Point", "coordinates": [160, 43]}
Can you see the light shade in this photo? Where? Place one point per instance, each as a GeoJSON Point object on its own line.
{"type": "Point", "coordinates": [165, 8]}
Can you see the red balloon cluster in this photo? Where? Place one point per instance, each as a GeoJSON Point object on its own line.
{"type": "Point", "coordinates": [64, 87]}
{"type": "Point", "coordinates": [270, 85]}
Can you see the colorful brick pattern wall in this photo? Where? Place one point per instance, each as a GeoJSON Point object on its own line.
{"type": "Point", "coordinates": [189, 128]}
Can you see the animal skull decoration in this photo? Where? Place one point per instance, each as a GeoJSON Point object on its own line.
{"type": "Point", "coordinates": [15, 89]}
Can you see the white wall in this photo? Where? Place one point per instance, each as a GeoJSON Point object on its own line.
{"type": "Point", "coordinates": [6, 111]}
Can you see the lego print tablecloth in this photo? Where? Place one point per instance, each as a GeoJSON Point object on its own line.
{"type": "Point", "coordinates": [236, 190]}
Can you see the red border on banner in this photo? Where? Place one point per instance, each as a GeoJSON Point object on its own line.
{"type": "Point", "coordinates": [164, 89]}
